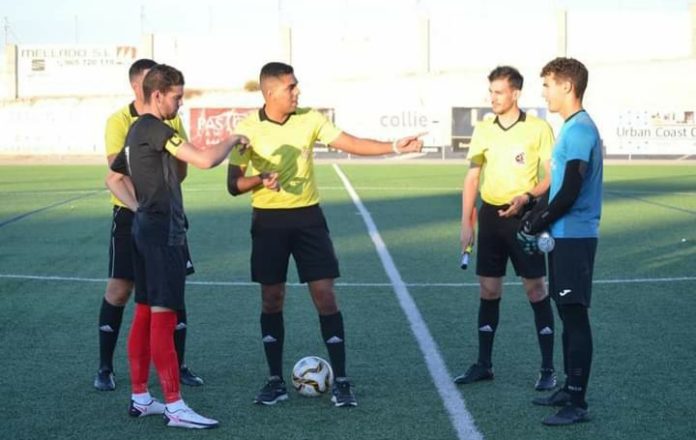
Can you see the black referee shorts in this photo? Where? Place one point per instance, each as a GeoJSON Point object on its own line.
{"type": "Point", "coordinates": [497, 243]}
{"type": "Point", "coordinates": [160, 274]}
{"type": "Point", "coordinates": [571, 265]}
{"type": "Point", "coordinates": [301, 232]}
{"type": "Point", "coordinates": [121, 244]}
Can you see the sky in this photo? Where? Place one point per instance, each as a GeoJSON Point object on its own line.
{"type": "Point", "coordinates": [123, 22]}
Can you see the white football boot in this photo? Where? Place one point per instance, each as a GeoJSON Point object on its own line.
{"type": "Point", "coordinates": [141, 410]}
{"type": "Point", "coordinates": [185, 417]}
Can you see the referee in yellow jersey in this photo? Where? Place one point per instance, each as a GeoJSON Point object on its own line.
{"type": "Point", "coordinates": [287, 219]}
{"type": "Point", "coordinates": [120, 283]}
{"type": "Point", "coordinates": [506, 156]}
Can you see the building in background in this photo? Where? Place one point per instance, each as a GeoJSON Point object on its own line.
{"type": "Point", "coordinates": [376, 78]}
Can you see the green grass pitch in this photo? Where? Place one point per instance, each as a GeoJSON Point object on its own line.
{"type": "Point", "coordinates": [54, 231]}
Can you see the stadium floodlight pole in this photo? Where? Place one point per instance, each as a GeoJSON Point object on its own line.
{"type": "Point", "coordinates": [562, 32]}
{"type": "Point", "coordinates": [9, 32]}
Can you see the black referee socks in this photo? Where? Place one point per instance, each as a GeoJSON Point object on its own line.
{"type": "Point", "coordinates": [334, 338]}
{"type": "Point", "coordinates": [180, 335]}
{"type": "Point", "coordinates": [273, 335]}
{"type": "Point", "coordinates": [543, 320]}
{"type": "Point", "coordinates": [489, 313]}
{"type": "Point", "coordinates": [110, 318]}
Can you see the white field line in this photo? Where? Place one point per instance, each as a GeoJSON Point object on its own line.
{"type": "Point", "coordinates": [220, 188]}
{"type": "Point", "coordinates": [19, 217]}
{"type": "Point", "coordinates": [29, 277]}
{"type": "Point", "coordinates": [460, 417]}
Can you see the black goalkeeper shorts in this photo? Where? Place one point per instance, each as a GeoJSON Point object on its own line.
{"type": "Point", "coordinates": [571, 265]}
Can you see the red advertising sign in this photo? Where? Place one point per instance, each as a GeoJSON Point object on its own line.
{"type": "Point", "coordinates": [208, 126]}
{"type": "Point", "coordinates": [211, 125]}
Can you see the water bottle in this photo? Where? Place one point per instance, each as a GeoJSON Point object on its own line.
{"type": "Point", "coordinates": [545, 242]}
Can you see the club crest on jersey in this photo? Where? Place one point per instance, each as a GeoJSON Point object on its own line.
{"type": "Point", "coordinates": [520, 158]}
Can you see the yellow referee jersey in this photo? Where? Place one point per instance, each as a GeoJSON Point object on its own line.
{"type": "Point", "coordinates": [287, 149]}
{"type": "Point", "coordinates": [117, 128]}
{"type": "Point", "coordinates": [510, 158]}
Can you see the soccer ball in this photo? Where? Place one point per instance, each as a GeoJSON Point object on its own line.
{"type": "Point", "coordinates": [312, 376]}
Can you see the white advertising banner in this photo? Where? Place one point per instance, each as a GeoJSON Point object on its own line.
{"type": "Point", "coordinates": [393, 123]}
{"type": "Point", "coordinates": [56, 126]}
{"type": "Point", "coordinates": [73, 70]}
{"type": "Point", "coordinates": [652, 132]}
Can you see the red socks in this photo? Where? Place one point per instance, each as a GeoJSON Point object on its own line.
{"type": "Point", "coordinates": [164, 355]}
{"type": "Point", "coordinates": [139, 348]}
{"type": "Point", "coordinates": [153, 333]}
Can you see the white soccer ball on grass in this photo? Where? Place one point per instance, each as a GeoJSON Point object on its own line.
{"type": "Point", "coordinates": [312, 376]}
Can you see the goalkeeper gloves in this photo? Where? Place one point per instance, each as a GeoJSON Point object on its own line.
{"type": "Point", "coordinates": [528, 242]}
{"type": "Point", "coordinates": [525, 237]}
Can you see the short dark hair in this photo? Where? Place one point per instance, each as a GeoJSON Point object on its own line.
{"type": "Point", "coordinates": [275, 70]}
{"type": "Point", "coordinates": [568, 69]}
{"type": "Point", "coordinates": [139, 67]}
{"type": "Point", "coordinates": [161, 78]}
{"type": "Point", "coordinates": [513, 76]}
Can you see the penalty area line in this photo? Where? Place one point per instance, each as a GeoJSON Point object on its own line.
{"type": "Point", "coordinates": [53, 205]}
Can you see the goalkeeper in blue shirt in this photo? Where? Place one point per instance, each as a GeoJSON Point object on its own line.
{"type": "Point", "coordinates": [572, 217]}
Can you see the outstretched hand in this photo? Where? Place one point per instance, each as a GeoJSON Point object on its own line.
{"type": "Point", "coordinates": [410, 144]}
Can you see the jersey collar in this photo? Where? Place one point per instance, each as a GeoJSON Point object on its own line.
{"type": "Point", "coordinates": [133, 112]}
{"type": "Point", "coordinates": [574, 114]}
{"type": "Point", "coordinates": [521, 118]}
{"type": "Point", "coordinates": [264, 117]}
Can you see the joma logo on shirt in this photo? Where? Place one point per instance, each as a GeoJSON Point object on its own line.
{"type": "Point", "coordinates": [520, 158]}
